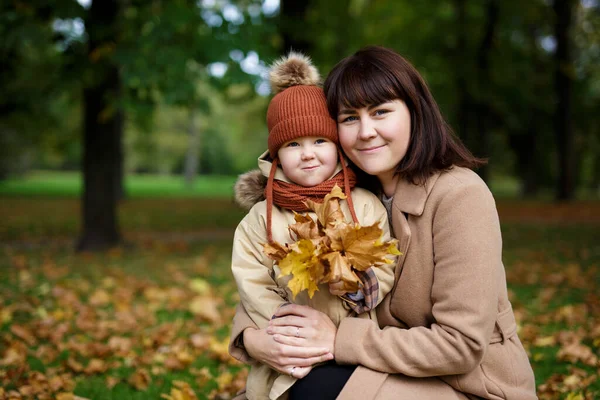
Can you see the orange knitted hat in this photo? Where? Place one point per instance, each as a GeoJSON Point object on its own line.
{"type": "Point", "coordinates": [299, 107]}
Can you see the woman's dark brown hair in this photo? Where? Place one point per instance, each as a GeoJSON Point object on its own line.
{"type": "Point", "coordinates": [375, 75]}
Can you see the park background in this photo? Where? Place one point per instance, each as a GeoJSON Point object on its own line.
{"type": "Point", "coordinates": [123, 126]}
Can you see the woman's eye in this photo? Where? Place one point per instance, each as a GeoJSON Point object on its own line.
{"type": "Point", "coordinates": [381, 111]}
{"type": "Point", "coordinates": [349, 119]}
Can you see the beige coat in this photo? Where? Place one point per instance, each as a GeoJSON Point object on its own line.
{"type": "Point", "coordinates": [448, 315]}
{"type": "Point", "coordinates": [261, 288]}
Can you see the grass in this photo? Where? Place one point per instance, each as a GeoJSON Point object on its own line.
{"type": "Point", "coordinates": [155, 315]}
{"type": "Point", "coordinates": [39, 218]}
{"type": "Point", "coordinates": [69, 184]}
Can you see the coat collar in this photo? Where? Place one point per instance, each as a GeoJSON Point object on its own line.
{"type": "Point", "coordinates": [410, 198]}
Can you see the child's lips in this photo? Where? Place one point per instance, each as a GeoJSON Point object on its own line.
{"type": "Point", "coordinates": [310, 168]}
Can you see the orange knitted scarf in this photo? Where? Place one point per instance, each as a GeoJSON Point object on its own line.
{"type": "Point", "coordinates": [293, 197]}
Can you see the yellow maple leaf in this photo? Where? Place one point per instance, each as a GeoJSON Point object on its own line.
{"type": "Point", "coordinates": [199, 286]}
{"type": "Point", "coordinates": [99, 298]}
{"type": "Point", "coordinates": [574, 396]}
{"type": "Point", "coordinates": [545, 341]}
{"type": "Point", "coordinates": [206, 307]}
{"type": "Point", "coordinates": [181, 391]}
{"type": "Point", "coordinates": [219, 349]}
{"type": "Point", "coordinates": [304, 266]}
{"type": "Point", "coordinates": [6, 315]}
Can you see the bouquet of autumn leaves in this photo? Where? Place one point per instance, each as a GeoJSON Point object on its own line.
{"type": "Point", "coordinates": [329, 249]}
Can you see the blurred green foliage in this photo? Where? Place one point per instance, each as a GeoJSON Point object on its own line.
{"type": "Point", "coordinates": [207, 59]}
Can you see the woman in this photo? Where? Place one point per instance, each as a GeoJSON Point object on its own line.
{"type": "Point", "coordinates": [447, 330]}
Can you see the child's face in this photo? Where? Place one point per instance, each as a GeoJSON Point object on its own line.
{"type": "Point", "coordinates": [308, 161]}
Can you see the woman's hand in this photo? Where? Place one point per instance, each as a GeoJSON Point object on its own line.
{"type": "Point", "coordinates": [303, 328]}
{"type": "Point", "coordinates": [290, 360]}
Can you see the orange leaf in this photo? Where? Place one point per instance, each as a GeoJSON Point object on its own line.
{"type": "Point", "coordinates": [305, 227]}
{"type": "Point", "coordinates": [329, 212]}
{"type": "Point", "coordinates": [275, 251]}
{"type": "Point", "coordinates": [95, 366]}
{"type": "Point", "coordinates": [24, 334]}
{"type": "Point", "coordinates": [74, 365]}
{"type": "Point", "coordinates": [362, 246]}
{"type": "Point", "coordinates": [340, 270]}
{"type": "Point", "coordinates": [206, 308]}
{"type": "Point", "coordinates": [199, 341]}
{"type": "Point", "coordinates": [140, 379]}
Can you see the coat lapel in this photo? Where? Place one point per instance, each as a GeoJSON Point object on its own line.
{"type": "Point", "coordinates": [409, 199]}
{"type": "Point", "coordinates": [402, 233]}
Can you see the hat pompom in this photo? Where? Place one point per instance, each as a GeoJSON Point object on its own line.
{"type": "Point", "coordinates": [293, 70]}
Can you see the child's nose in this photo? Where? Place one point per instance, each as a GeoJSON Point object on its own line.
{"type": "Point", "coordinates": [308, 153]}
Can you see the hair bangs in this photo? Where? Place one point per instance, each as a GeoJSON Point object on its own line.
{"type": "Point", "coordinates": [360, 85]}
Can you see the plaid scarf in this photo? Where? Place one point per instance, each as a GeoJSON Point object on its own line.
{"type": "Point", "coordinates": [370, 288]}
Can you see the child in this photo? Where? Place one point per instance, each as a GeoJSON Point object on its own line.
{"type": "Point", "coordinates": [303, 162]}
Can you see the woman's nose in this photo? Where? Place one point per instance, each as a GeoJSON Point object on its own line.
{"type": "Point", "coordinates": [366, 129]}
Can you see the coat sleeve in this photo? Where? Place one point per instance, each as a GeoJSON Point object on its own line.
{"type": "Point", "coordinates": [467, 257]}
{"type": "Point", "coordinates": [260, 295]}
{"type": "Point", "coordinates": [241, 321]}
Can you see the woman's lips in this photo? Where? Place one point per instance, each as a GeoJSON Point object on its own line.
{"type": "Point", "coordinates": [371, 149]}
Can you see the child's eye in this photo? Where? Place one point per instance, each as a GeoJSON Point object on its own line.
{"type": "Point", "coordinates": [320, 141]}
{"type": "Point", "coordinates": [293, 144]}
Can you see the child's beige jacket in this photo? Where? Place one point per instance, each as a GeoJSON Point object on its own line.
{"type": "Point", "coordinates": [262, 290]}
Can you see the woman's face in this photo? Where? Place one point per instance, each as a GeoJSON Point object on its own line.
{"type": "Point", "coordinates": [375, 138]}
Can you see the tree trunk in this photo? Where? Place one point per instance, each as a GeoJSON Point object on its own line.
{"type": "Point", "coordinates": [120, 170]}
{"type": "Point", "coordinates": [191, 157]}
{"type": "Point", "coordinates": [103, 127]}
{"type": "Point", "coordinates": [482, 144]}
{"type": "Point", "coordinates": [530, 162]}
{"type": "Point", "coordinates": [292, 16]}
{"type": "Point", "coordinates": [463, 99]}
{"type": "Point", "coordinates": [563, 10]}
{"type": "Point", "coordinates": [595, 181]}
